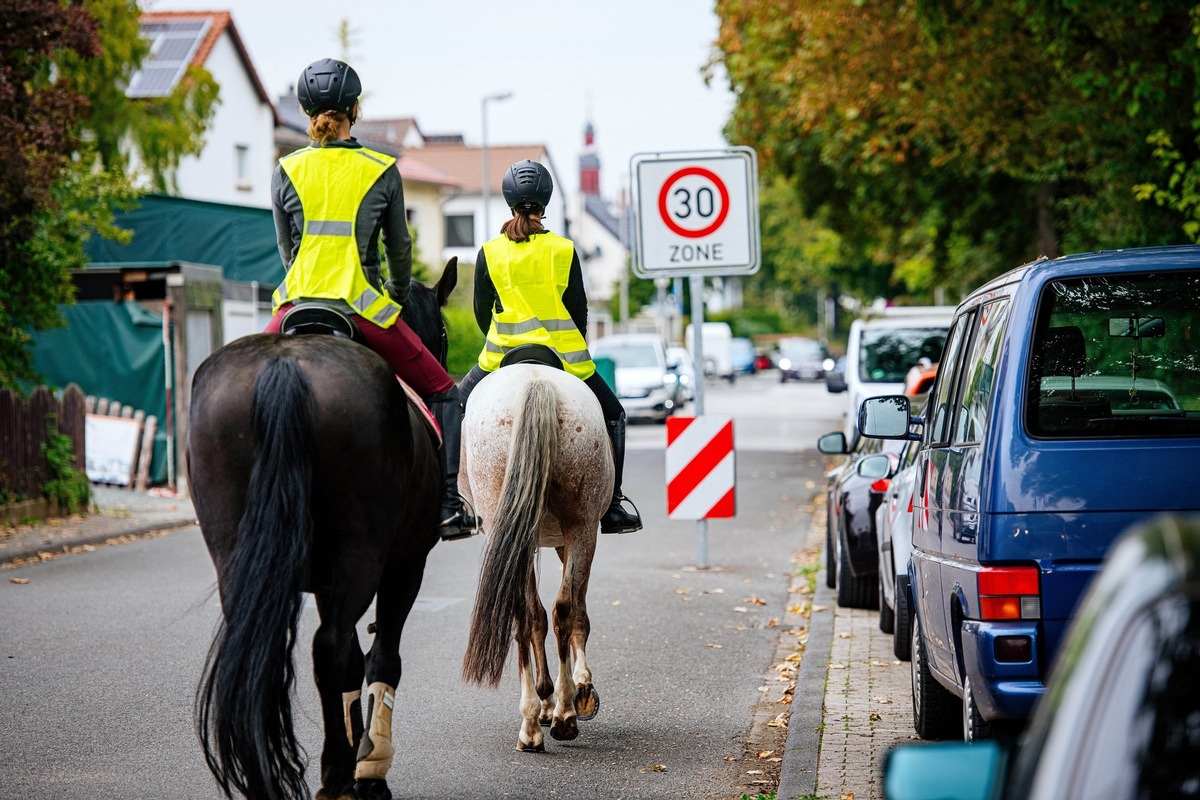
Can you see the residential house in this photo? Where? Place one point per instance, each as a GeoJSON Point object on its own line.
{"type": "Point", "coordinates": [235, 166]}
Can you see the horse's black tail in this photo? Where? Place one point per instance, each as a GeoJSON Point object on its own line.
{"type": "Point", "coordinates": [508, 560]}
{"type": "Point", "coordinates": [244, 703]}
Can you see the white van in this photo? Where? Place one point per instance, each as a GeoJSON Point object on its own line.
{"type": "Point", "coordinates": [882, 349]}
{"type": "Point", "coordinates": [718, 349]}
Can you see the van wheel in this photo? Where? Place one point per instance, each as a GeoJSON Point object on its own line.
{"type": "Point", "coordinates": [934, 707]}
{"type": "Point", "coordinates": [902, 635]}
{"type": "Point", "coordinates": [975, 727]}
{"type": "Point", "coordinates": [853, 592]}
{"type": "Point", "coordinates": [830, 564]}
{"type": "Point", "coordinates": [887, 616]}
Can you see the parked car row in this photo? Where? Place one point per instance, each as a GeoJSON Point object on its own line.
{"type": "Point", "coordinates": [1065, 409]}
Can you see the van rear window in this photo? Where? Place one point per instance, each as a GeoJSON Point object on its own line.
{"type": "Point", "coordinates": [1117, 356]}
{"type": "Point", "coordinates": [887, 354]}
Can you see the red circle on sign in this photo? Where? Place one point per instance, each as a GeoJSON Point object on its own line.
{"type": "Point", "coordinates": [675, 178]}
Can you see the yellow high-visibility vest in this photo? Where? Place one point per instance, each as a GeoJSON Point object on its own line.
{"type": "Point", "coordinates": [530, 278]}
{"type": "Point", "coordinates": [331, 183]}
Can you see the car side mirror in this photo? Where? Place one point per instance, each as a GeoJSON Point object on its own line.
{"type": "Point", "coordinates": [835, 382]}
{"type": "Point", "coordinates": [943, 771]}
{"type": "Point", "coordinates": [833, 444]}
{"type": "Point", "coordinates": [875, 466]}
{"type": "Point", "coordinates": [886, 417]}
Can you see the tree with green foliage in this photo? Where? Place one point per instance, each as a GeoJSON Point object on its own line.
{"type": "Point", "coordinates": [944, 140]}
{"type": "Point", "coordinates": [39, 118]}
{"type": "Point", "coordinates": [64, 118]}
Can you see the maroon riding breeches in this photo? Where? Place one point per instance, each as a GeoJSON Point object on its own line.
{"type": "Point", "coordinates": [400, 347]}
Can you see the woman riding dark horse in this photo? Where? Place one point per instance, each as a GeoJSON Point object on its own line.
{"type": "Point", "coordinates": [332, 201]}
{"type": "Point", "coordinates": [529, 290]}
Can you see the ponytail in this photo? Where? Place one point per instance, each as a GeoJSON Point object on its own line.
{"type": "Point", "coordinates": [523, 225]}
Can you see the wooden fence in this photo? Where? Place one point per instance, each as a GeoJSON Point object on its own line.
{"type": "Point", "coordinates": [24, 424]}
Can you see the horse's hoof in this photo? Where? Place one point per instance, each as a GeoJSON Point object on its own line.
{"type": "Point", "coordinates": [587, 702]}
{"type": "Point", "coordinates": [529, 747]}
{"type": "Point", "coordinates": [564, 729]}
{"type": "Point", "coordinates": [345, 794]}
{"type": "Point", "coordinates": [544, 721]}
{"type": "Point", "coordinates": [372, 789]}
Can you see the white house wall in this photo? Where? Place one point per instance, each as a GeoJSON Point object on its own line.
{"type": "Point", "coordinates": [241, 118]}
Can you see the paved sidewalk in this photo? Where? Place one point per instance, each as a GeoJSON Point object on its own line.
{"type": "Point", "coordinates": [118, 513]}
{"type": "Point", "coordinates": [853, 702]}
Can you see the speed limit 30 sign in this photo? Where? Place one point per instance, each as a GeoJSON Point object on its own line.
{"type": "Point", "coordinates": [695, 213]}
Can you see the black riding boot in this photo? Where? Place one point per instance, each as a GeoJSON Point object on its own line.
{"type": "Point", "coordinates": [456, 521]}
{"type": "Point", "coordinates": [617, 519]}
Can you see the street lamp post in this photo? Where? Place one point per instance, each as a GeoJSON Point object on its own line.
{"type": "Point", "coordinates": [487, 225]}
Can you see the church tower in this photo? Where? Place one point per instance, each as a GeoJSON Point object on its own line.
{"type": "Point", "coordinates": [589, 164]}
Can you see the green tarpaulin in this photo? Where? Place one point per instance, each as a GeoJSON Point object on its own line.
{"type": "Point", "coordinates": [239, 239]}
{"type": "Point", "coordinates": [112, 350]}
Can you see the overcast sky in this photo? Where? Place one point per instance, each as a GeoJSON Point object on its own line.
{"type": "Point", "coordinates": [633, 67]}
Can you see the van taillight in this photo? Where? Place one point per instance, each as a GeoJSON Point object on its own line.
{"type": "Point", "coordinates": [1009, 593]}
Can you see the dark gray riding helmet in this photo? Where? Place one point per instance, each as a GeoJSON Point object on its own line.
{"type": "Point", "coordinates": [527, 185]}
{"type": "Point", "coordinates": [328, 85]}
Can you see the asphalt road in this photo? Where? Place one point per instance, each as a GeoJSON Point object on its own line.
{"type": "Point", "coordinates": [100, 652]}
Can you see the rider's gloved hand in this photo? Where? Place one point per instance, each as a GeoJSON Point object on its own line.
{"type": "Point", "coordinates": [395, 292]}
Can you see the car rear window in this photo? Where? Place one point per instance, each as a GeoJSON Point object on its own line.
{"type": "Point", "coordinates": [887, 354]}
{"type": "Point", "coordinates": [1117, 356]}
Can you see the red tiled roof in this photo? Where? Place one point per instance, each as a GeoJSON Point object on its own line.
{"type": "Point", "coordinates": [221, 21]}
{"type": "Point", "coordinates": [465, 163]}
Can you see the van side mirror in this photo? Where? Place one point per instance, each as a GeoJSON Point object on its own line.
{"type": "Point", "coordinates": [1136, 327]}
{"type": "Point", "coordinates": [944, 771]}
{"type": "Point", "coordinates": [886, 417]}
{"type": "Point", "coordinates": [835, 382]}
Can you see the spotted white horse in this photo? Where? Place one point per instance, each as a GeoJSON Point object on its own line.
{"type": "Point", "coordinates": [539, 470]}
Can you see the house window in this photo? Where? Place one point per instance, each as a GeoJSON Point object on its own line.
{"type": "Point", "coordinates": [241, 156]}
{"type": "Point", "coordinates": [460, 230]}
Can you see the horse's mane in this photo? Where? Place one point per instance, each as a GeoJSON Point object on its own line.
{"type": "Point", "coordinates": [422, 314]}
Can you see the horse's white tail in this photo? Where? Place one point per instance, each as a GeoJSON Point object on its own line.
{"type": "Point", "coordinates": [512, 537]}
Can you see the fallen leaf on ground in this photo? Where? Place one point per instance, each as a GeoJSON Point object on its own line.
{"type": "Point", "coordinates": [654, 768]}
{"type": "Point", "coordinates": [765, 753]}
{"type": "Point", "coordinates": [19, 581]}
{"type": "Point", "coordinates": [754, 601]}
{"type": "Point", "coordinates": [714, 646]}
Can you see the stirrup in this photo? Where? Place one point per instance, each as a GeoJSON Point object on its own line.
{"type": "Point", "coordinates": [454, 527]}
{"type": "Point", "coordinates": [633, 522]}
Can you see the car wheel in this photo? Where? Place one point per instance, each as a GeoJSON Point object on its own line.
{"type": "Point", "coordinates": [934, 708]}
{"type": "Point", "coordinates": [902, 635]}
{"type": "Point", "coordinates": [830, 564]}
{"type": "Point", "coordinates": [853, 592]}
{"type": "Point", "coordinates": [782, 378]}
{"type": "Point", "coordinates": [974, 726]}
{"type": "Point", "coordinates": [887, 616]}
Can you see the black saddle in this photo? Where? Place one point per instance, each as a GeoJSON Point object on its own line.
{"type": "Point", "coordinates": [532, 354]}
{"type": "Point", "coordinates": [308, 318]}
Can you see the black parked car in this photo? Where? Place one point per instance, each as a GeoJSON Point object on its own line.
{"type": "Point", "coordinates": [1119, 717]}
{"type": "Point", "coordinates": [851, 555]}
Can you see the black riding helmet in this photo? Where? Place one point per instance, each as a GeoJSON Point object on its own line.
{"type": "Point", "coordinates": [328, 85]}
{"type": "Point", "coordinates": [527, 185]}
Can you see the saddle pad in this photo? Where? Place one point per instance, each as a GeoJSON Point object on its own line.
{"type": "Point", "coordinates": [426, 414]}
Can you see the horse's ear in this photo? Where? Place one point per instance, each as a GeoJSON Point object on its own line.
{"type": "Point", "coordinates": [447, 282]}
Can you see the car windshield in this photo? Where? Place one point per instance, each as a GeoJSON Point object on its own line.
{"type": "Point", "coordinates": [1116, 356]}
{"type": "Point", "coordinates": [800, 348]}
{"type": "Point", "coordinates": [628, 355]}
{"type": "Point", "coordinates": [887, 354]}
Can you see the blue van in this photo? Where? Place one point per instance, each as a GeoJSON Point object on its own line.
{"type": "Point", "coordinates": [1065, 409]}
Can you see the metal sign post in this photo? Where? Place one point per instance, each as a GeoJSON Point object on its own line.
{"type": "Point", "coordinates": [696, 214]}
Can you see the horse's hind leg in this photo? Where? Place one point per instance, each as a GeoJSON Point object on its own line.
{"type": "Point", "coordinates": [338, 667]}
{"type": "Point", "coordinates": [536, 689]}
{"type": "Point", "coordinates": [398, 589]}
{"type": "Point", "coordinates": [574, 627]}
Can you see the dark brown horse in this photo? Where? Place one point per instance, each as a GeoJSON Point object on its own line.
{"type": "Point", "coordinates": [310, 472]}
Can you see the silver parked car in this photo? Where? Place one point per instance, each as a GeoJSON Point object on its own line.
{"type": "Point", "coordinates": [645, 384]}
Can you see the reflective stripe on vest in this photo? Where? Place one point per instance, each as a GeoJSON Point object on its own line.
{"type": "Point", "coordinates": [331, 183]}
{"type": "Point", "coordinates": [530, 278]}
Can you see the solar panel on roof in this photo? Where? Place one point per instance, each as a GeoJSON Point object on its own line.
{"type": "Point", "coordinates": [173, 43]}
